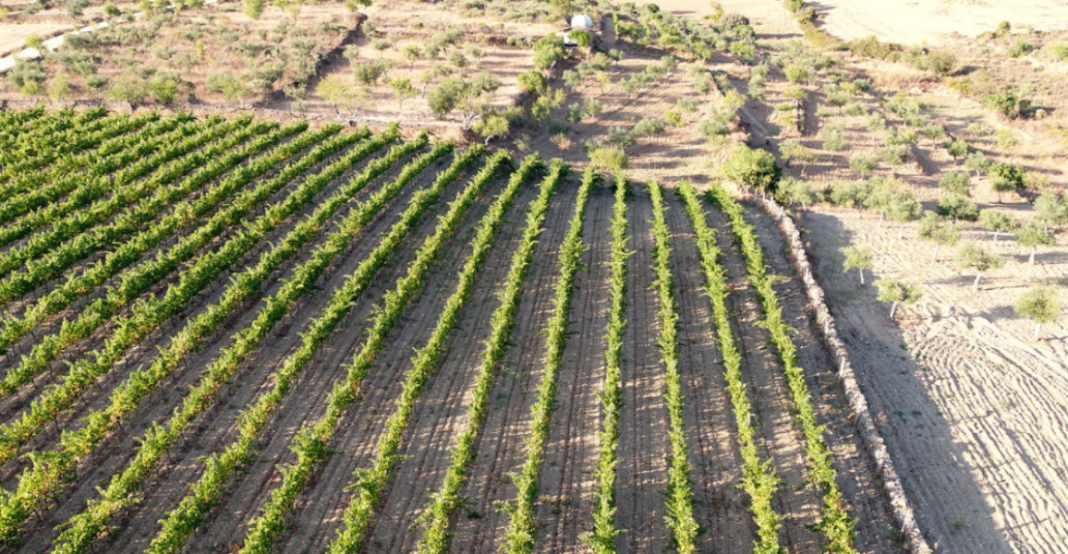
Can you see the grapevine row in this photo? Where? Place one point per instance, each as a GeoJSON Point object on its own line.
{"type": "Point", "coordinates": [55, 254]}
{"type": "Point", "coordinates": [84, 178]}
{"type": "Point", "coordinates": [149, 315]}
{"type": "Point", "coordinates": [310, 442]}
{"type": "Point", "coordinates": [84, 527]}
{"type": "Point", "coordinates": [100, 211]}
{"type": "Point", "coordinates": [28, 192]}
{"type": "Point", "coordinates": [53, 466]}
{"type": "Point", "coordinates": [80, 146]}
{"type": "Point", "coordinates": [679, 497]}
{"type": "Point", "coordinates": [520, 536]}
{"type": "Point", "coordinates": [43, 135]}
{"type": "Point", "coordinates": [445, 501]}
{"type": "Point", "coordinates": [46, 149]}
{"type": "Point", "coordinates": [602, 536]}
{"type": "Point", "coordinates": [758, 478]}
{"type": "Point", "coordinates": [134, 282]}
{"type": "Point", "coordinates": [18, 122]}
{"type": "Point", "coordinates": [836, 525]}
{"type": "Point", "coordinates": [193, 509]}
{"type": "Point", "coordinates": [372, 482]}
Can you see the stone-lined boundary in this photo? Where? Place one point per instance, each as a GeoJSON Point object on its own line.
{"type": "Point", "coordinates": [900, 505]}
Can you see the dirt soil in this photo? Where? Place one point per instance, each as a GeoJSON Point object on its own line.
{"type": "Point", "coordinates": [913, 23]}
{"type": "Point", "coordinates": [971, 408]}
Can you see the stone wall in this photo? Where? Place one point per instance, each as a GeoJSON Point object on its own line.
{"type": "Point", "coordinates": [902, 509]}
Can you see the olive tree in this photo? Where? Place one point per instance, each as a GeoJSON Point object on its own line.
{"type": "Point", "coordinates": [972, 256]}
{"type": "Point", "coordinates": [1032, 236]}
{"type": "Point", "coordinates": [958, 207]}
{"type": "Point", "coordinates": [937, 230]}
{"type": "Point", "coordinates": [979, 163]}
{"type": "Point", "coordinates": [903, 208]}
{"type": "Point", "coordinates": [1041, 305]}
{"type": "Point", "coordinates": [792, 150]}
{"type": "Point", "coordinates": [898, 292]}
{"type": "Point", "coordinates": [797, 191]}
{"type": "Point", "coordinates": [403, 88]}
{"type": "Point", "coordinates": [342, 95]}
{"type": "Point", "coordinates": [857, 257]}
{"type": "Point", "coordinates": [752, 168]}
{"type": "Point", "coordinates": [957, 182]}
{"type": "Point", "coordinates": [1050, 210]}
{"type": "Point", "coordinates": [997, 221]}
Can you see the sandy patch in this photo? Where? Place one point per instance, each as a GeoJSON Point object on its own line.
{"type": "Point", "coordinates": [912, 22]}
{"type": "Point", "coordinates": [13, 37]}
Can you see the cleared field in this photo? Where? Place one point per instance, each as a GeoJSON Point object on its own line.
{"type": "Point", "coordinates": [219, 356]}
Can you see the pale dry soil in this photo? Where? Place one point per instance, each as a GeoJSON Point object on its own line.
{"type": "Point", "coordinates": [972, 408]}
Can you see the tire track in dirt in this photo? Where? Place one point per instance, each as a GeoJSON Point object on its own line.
{"type": "Point", "coordinates": [118, 449]}
{"type": "Point", "coordinates": [862, 495]}
{"type": "Point", "coordinates": [501, 443]}
{"type": "Point", "coordinates": [711, 431]}
{"type": "Point", "coordinates": [642, 471]}
{"type": "Point", "coordinates": [971, 409]}
{"type": "Point", "coordinates": [565, 483]}
{"type": "Point", "coordinates": [442, 411]}
{"type": "Point", "coordinates": [797, 501]}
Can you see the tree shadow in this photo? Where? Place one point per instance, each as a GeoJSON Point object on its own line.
{"type": "Point", "coordinates": [919, 437]}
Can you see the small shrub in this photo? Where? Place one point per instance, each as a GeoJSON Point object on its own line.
{"type": "Point", "coordinates": [1020, 48]}
{"type": "Point", "coordinates": [609, 158]}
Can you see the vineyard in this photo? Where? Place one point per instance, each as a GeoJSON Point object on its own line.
{"type": "Point", "coordinates": [234, 335]}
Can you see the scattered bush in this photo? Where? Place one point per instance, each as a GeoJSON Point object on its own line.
{"type": "Point", "coordinates": [752, 167]}
{"type": "Point", "coordinates": [609, 158]}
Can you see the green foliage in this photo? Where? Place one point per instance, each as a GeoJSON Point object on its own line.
{"type": "Point", "coordinates": [1041, 304]}
{"type": "Point", "coordinates": [972, 256]}
{"type": "Point", "coordinates": [797, 191]}
{"type": "Point", "coordinates": [978, 162]}
{"type": "Point", "coordinates": [898, 292]}
{"type": "Point", "coordinates": [519, 538]}
{"type": "Point", "coordinates": [369, 73]}
{"type": "Point", "coordinates": [857, 257]}
{"type": "Point", "coordinates": [1006, 176]}
{"type": "Point", "coordinates": [941, 62]}
{"type": "Point", "coordinates": [758, 477]}
{"type": "Point", "coordinates": [310, 444]}
{"type": "Point", "coordinates": [934, 229]}
{"type": "Point", "coordinates": [956, 182]}
{"type": "Point", "coordinates": [850, 194]}
{"type": "Point", "coordinates": [895, 154]}
{"type": "Point", "coordinates": [679, 496]}
{"type": "Point", "coordinates": [1051, 209]}
{"type": "Point", "coordinates": [863, 165]}
{"type": "Point", "coordinates": [253, 8]}
{"type": "Point", "coordinates": [532, 81]}
{"type": "Point", "coordinates": [649, 127]}
{"type": "Point", "coordinates": [145, 318]}
{"type": "Point", "coordinates": [997, 221]}
{"type": "Point", "coordinates": [622, 137]}
{"type": "Point", "coordinates": [546, 51]}
{"type": "Point", "coordinates": [601, 538]}
{"type": "Point", "coordinates": [1020, 47]}
{"type": "Point", "coordinates": [1007, 103]}
{"type": "Point", "coordinates": [609, 158]}
{"type": "Point", "coordinates": [752, 167]}
{"type": "Point", "coordinates": [958, 207]}
{"type": "Point", "coordinates": [370, 483]}
{"type": "Point", "coordinates": [833, 138]}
